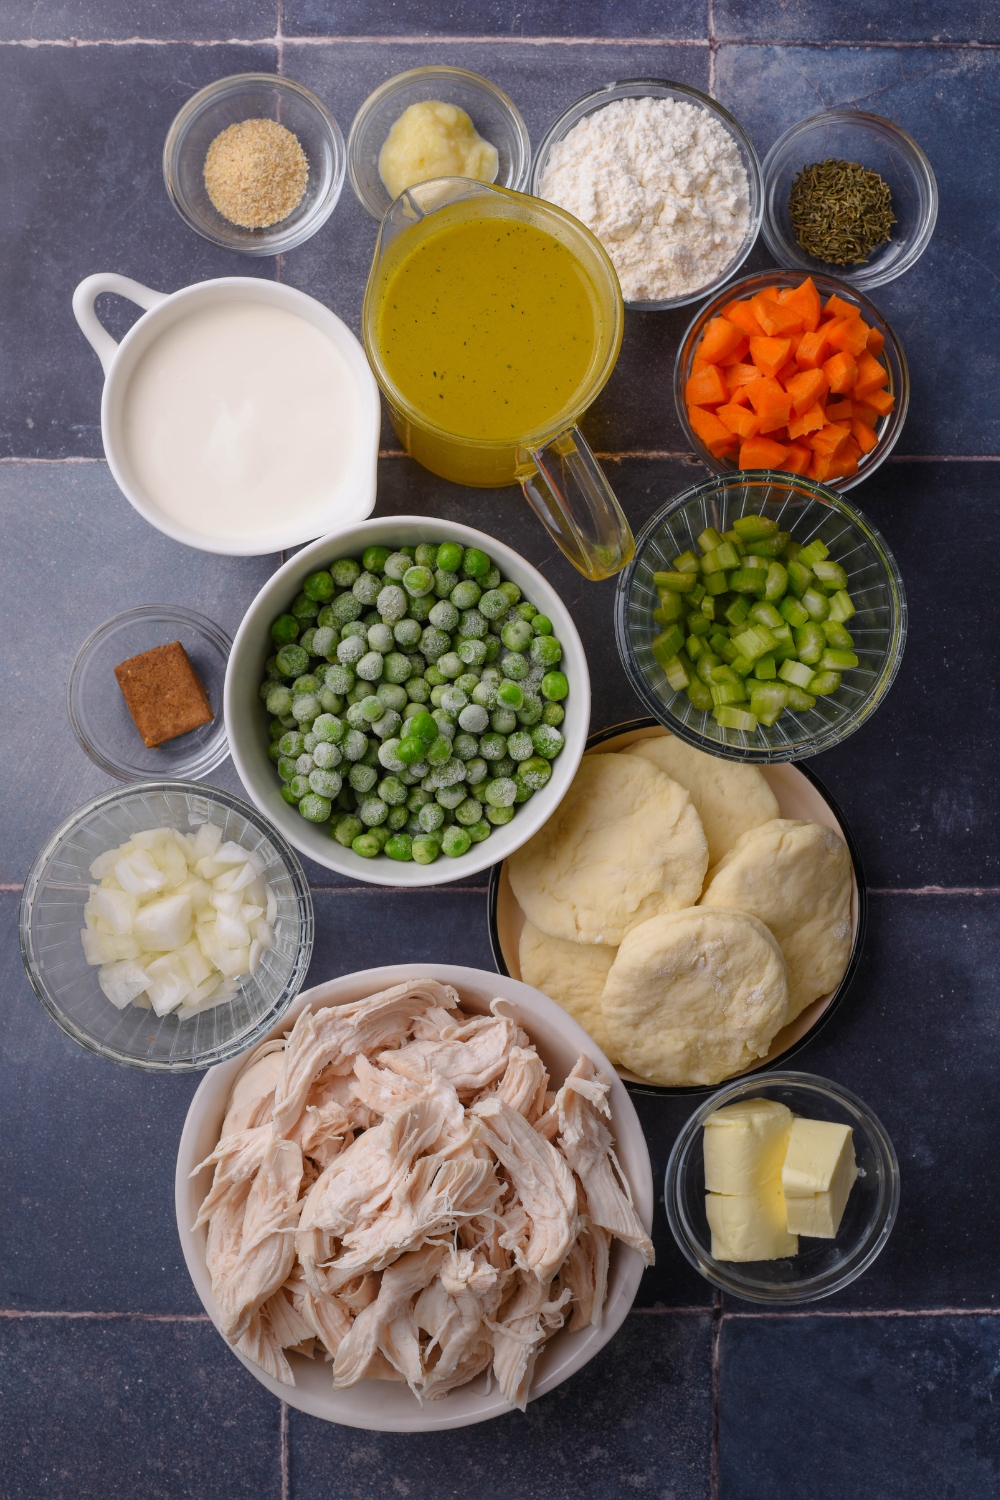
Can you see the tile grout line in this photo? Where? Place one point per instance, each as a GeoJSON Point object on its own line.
{"type": "Point", "coordinates": [717, 1315]}
{"type": "Point", "coordinates": [481, 890]}
{"type": "Point", "coordinates": [716, 1311]}
{"type": "Point", "coordinates": [681, 455]}
{"type": "Point", "coordinates": [712, 44]}
{"type": "Point", "coordinates": [279, 40]}
{"type": "Point", "coordinates": [13, 1313]}
{"type": "Point", "coordinates": [285, 1477]}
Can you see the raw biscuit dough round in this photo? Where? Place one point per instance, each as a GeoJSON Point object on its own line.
{"type": "Point", "coordinates": [729, 798]}
{"type": "Point", "coordinates": [694, 996]}
{"type": "Point", "coordinates": [624, 845]}
{"type": "Point", "coordinates": [796, 877]}
{"type": "Point", "coordinates": [572, 974]}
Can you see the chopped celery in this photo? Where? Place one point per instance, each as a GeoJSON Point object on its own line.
{"type": "Point", "coordinates": [672, 607]}
{"type": "Point", "coordinates": [791, 610]}
{"type": "Point", "coordinates": [765, 614]}
{"type": "Point", "coordinates": [694, 647]}
{"type": "Point", "coordinates": [699, 695]}
{"type": "Point", "coordinates": [837, 636]}
{"type": "Point", "coordinates": [797, 673]}
{"type": "Point", "coordinates": [742, 666]}
{"type": "Point", "coordinates": [677, 583]}
{"type": "Point", "coordinates": [761, 564]}
{"type": "Point", "coordinates": [768, 700]}
{"type": "Point", "coordinates": [837, 661]}
{"type": "Point", "coordinates": [776, 581]}
{"type": "Point", "coordinates": [728, 692]}
{"type": "Point", "coordinates": [799, 578]}
{"type": "Point", "coordinates": [816, 603]}
{"type": "Point", "coordinates": [755, 528]}
{"type": "Point", "coordinates": [765, 668]}
{"type": "Point", "coordinates": [747, 581]}
{"type": "Point", "coordinates": [781, 632]}
{"type": "Point", "coordinates": [720, 559]}
{"type": "Point", "coordinates": [798, 700]}
{"type": "Point", "coordinates": [737, 541]}
{"type": "Point", "coordinates": [757, 641]}
{"type": "Point", "coordinates": [810, 643]}
{"type": "Point", "coordinates": [785, 650]}
{"type": "Point", "coordinates": [717, 640]}
{"type": "Point", "coordinates": [814, 552]}
{"type": "Point", "coordinates": [694, 596]}
{"type": "Point", "coordinates": [722, 673]}
{"type": "Point", "coordinates": [728, 717]}
{"type": "Point", "coordinates": [831, 575]}
{"type": "Point", "coordinates": [842, 607]}
{"type": "Point", "coordinates": [677, 674]}
{"type": "Point", "coordinates": [716, 583]}
{"type": "Point", "coordinates": [706, 662]}
{"type": "Point", "coordinates": [667, 645]}
{"type": "Point", "coordinates": [729, 652]}
{"type": "Point", "coordinates": [737, 612]}
{"type": "Point", "coordinates": [773, 546]}
{"type": "Point", "coordinates": [824, 683]}
{"type": "Point", "coordinates": [699, 624]}
{"type": "Point", "coordinates": [687, 562]}
{"type": "Point", "coordinates": [707, 606]}
{"type": "Point", "coordinates": [709, 539]}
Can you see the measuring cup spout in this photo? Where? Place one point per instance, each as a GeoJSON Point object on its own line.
{"type": "Point", "coordinates": [569, 493]}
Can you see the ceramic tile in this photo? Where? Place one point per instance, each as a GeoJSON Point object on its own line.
{"type": "Point", "coordinates": [131, 1407]}
{"type": "Point", "coordinates": [637, 1419]}
{"type": "Point", "coordinates": [901, 1408]}
{"type": "Point", "coordinates": [493, 18]}
{"type": "Point", "coordinates": [85, 193]}
{"type": "Point", "coordinates": [863, 21]}
{"type": "Point", "coordinates": [946, 98]}
{"type": "Point", "coordinates": [184, 20]}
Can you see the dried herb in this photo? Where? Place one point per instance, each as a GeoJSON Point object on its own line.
{"type": "Point", "coordinates": [840, 211]}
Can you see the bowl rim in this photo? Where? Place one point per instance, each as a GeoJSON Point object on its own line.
{"type": "Point", "coordinates": [892, 426]}
{"type": "Point", "coordinates": [199, 1062]}
{"type": "Point", "coordinates": [862, 276]}
{"type": "Point", "coordinates": [216, 750]}
{"type": "Point", "coordinates": [660, 88]}
{"type": "Point", "coordinates": [763, 1068]}
{"type": "Point", "coordinates": [788, 1295]}
{"type": "Point", "coordinates": [272, 241]}
{"type": "Point", "coordinates": [411, 875]}
{"type": "Point", "coordinates": [409, 76]}
{"type": "Point", "coordinates": [625, 1120]}
{"type": "Point", "coordinates": [742, 752]}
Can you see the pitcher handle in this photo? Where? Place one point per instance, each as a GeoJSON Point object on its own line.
{"type": "Point", "coordinates": [568, 491]}
{"type": "Point", "coordinates": [86, 294]}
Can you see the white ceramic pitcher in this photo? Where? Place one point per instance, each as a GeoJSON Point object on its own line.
{"type": "Point", "coordinates": [352, 492]}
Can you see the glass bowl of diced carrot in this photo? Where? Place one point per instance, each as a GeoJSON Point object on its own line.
{"type": "Point", "coordinates": [792, 373]}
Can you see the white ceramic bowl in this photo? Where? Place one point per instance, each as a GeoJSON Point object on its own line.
{"type": "Point", "coordinates": [246, 723]}
{"type": "Point", "coordinates": [381, 1405]}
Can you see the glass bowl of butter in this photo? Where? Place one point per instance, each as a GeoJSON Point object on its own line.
{"type": "Point", "coordinates": [782, 1190]}
{"type": "Point", "coordinates": [435, 121]}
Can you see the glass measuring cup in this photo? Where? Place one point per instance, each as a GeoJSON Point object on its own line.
{"type": "Point", "coordinates": [551, 460]}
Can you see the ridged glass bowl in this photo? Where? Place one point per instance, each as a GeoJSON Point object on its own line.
{"type": "Point", "coordinates": [889, 428]}
{"type": "Point", "coordinates": [51, 917]}
{"type": "Point", "coordinates": [876, 143]}
{"type": "Point", "coordinates": [821, 1267]}
{"type": "Point", "coordinates": [807, 510]}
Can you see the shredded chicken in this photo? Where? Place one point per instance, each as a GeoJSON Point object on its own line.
{"type": "Point", "coordinates": [396, 1189]}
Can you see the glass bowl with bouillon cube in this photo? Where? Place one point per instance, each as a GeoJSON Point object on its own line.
{"type": "Point", "coordinates": [850, 194]}
{"type": "Point", "coordinates": [763, 618]}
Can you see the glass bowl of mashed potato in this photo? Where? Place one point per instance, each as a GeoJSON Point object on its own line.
{"type": "Point", "coordinates": [435, 122]}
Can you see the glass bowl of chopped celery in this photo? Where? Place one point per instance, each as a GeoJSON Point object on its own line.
{"type": "Point", "coordinates": [166, 926]}
{"type": "Point", "coordinates": [851, 1218]}
{"type": "Point", "coordinates": [880, 426]}
{"type": "Point", "coordinates": [840, 214]}
{"type": "Point", "coordinates": [762, 619]}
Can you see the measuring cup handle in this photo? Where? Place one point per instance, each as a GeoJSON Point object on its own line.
{"type": "Point", "coordinates": [87, 293]}
{"type": "Point", "coordinates": [578, 508]}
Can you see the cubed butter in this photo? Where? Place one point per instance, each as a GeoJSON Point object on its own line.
{"type": "Point", "coordinates": [817, 1177]}
{"type": "Point", "coordinates": [745, 1145]}
{"type": "Point", "coordinates": [750, 1226]}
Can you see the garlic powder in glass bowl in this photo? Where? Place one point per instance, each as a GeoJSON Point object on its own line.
{"type": "Point", "coordinates": [666, 180]}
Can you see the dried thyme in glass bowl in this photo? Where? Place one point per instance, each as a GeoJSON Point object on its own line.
{"type": "Point", "coordinates": [840, 211]}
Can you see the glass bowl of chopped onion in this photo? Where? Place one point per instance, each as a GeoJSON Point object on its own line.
{"type": "Point", "coordinates": [584, 203]}
{"type": "Point", "coordinates": [166, 926]}
{"type": "Point", "coordinates": [840, 210]}
{"type": "Point", "coordinates": [254, 163]}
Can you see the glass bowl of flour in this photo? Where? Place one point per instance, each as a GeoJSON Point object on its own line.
{"type": "Point", "coordinates": [667, 180]}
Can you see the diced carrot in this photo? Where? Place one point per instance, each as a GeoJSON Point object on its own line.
{"type": "Point", "coordinates": [804, 300]}
{"type": "Point", "coordinates": [779, 435]}
{"type": "Point", "coordinates": [798, 460]}
{"type": "Point", "coordinates": [872, 375]}
{"type": "Point", "coordinates": [741, 374]}
{"type": "Point", "coordinates": [863, 435]}
{"type": "Point", "coordinates": [840, 411]}
{"type": "Point", "coordinates": [707, 388]}
{"type": "Point", "coordinates": [716, 437]}
{"type": "Point", "coordinates": [810, 421]}
{"type": "Point", "coordinates": [876, 341]}
{"type": "Point", "coordinates": [820, 467]}
{"type": "Point", "coordinates": [787, 372]}
{"type": "Point", "coordinates": [741, 421]}
{"type": "Point", "coordinates": [806, 388]}
{"type": "Point", "coordinates": [770, 402]}
{"type": "Point", "coordinates": [739, 396]}
{"type": "Point", "coordinates": [738, 355]}
{"type": "Point", "coordinates": [741, 313]}
{"type": "Point", "coordinates": [853, 449]}
{"type": "Point", "coordinates": [840, 370]}
{"type": "Point", "coordinates": [762, 453]}
{"type": "Point", "coordinates": [848, 335]}
{"type": "Point", "coordinates": [812, 351]}
{"type": "Point", "coordinates": [830, 439]}
{"type": "Point", "coordinates": [836, 307]}
{"type": "Point", "coordinates": [844, 466]}
{"type": "Point", "coordinates": [863, 412]}
{"type": "Point", "coordinates": [769, 354]}
{"type": "Point", "coordinates": [775, 320]}
{"type": "Point", "coordinates": [882, 402]}
{"type": "Point", "coordinates": [719, 339]}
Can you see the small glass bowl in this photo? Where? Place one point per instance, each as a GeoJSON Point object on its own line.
{"type": "Point", "coordinates": [97, 710]}
{"type": "Point", "coordinates": [889, 428]}
{"type": "Point", "coordinates": [807, 510]}
{"type": "Point", "coordinates": [663, 88]}
{"type": "Point", "coordinates": [51, 916]}
{"type": "Point", "coordinates": [246, 96]}
{"type": "Point", "coordinates": [821, 1267]}
{"type": "Point", "coordinates": [852, 135]}
{"type": "Point", "coordinates": [496, 118]}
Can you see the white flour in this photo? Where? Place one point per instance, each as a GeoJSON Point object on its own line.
{"type": "Point", "coordinates": [662, 185]}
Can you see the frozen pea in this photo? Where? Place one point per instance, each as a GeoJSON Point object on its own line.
{"type": "Point", "coordinates": [553, 713]}
{"type": "Point", "coordinates": [372, 811]}
{"type": "Point", "coordinates": [397, 819]}
{"type": "Point", "coordinates": [292, 661]}
{"type": "Point", "coordinates": [368, 710]}
{"type": "Point", "coordinates": [530, 711]}
{"type": "Point", "coordinates": [366, 589]}
{"type": "Point", "coordinates": [535, 771]}
{"type": "Point", "coordinates": [434, 642]}
{"type": "Point", "coordinates": [449, 556]}
{"type": "Point", "coordinates": [289, 796]}
{"type": "Point", "coordinates": [324, 640]}
{"type": "Point", "coordinates": [356, 628]}
{"type": "Point", "coordinates": [453, 700]}
{"type": "Point", "coordinates": [305, 608]}
{"type": "Point", "coordinates": [515, 665]}
{"type": "Point", "coordinates": [455, 841]}
{"type": "Point", "coordinates": [369, 667]}
{"type": "Point", "coordinates": [517, 635]}
{"type": "Point", "coordinates": [465, 746]}
{"type": "Point", "coordinates": [319, 586]}
{"type": "Point", "coordinates": [271, 669]}
{"type": "Point", "coordinates": [275, 729]}
{"type": "Point", "coordinates": [467, 682]}
{"type": "Point", "coordinates": [298, 787]}
{"type": "Point", "coordinates": [307, 683]}
{"type": "Point", "coordinates": [419, 609]}
{"type": "Point", "coordinates": [417, 690]}
{"type": "Point", "coordinates": [430, 816]}
{"type": "Point", "coordinates": [309, 742]}
{"type": "Point", "coordinates": [444, 582]}
{"type": "Point", "coordinates": [373, 558]}
{"type": "Point", "coordinates": [306, 642]}
{"type": "Point", "coordinates": [437, 692]}
{"type": "Point", "coordinates": [400, 847]}
{"type": "Point", "coordinates": [327, 618]}
{"type": "Point", "coordinates": [503, 767]}
{"type": "Point", "coordinates": [386, 726]}
{"type": "Point", "coordinates": [450, 664]}
{"type": "Point", "coordinates": [367, 845]}
{"type": "Point", "coordinates": [425, 849]}
{"type": "Point", "coordinates": [475, 563]}
{"type": "Point", "coordinates": [418, 798]}
{"type": "Point", "coordinates": [351, 650]}
{"type": "Point", "coordinates": [466, 594]}
{"type": "Point", "coordinates": [450, 774]}
{"type": "Point", "coordinates": [498, 816]}
{"type": "Point", "coordinates": [315, 808]}
{"type": "Point", "coordinates": [471, 652]}
{"type": "Point", "coordinates": [426, 554]}
{"type": "Point", "coordinates": [346, 828]}
{"type": "Point", "coordinates": [328, 727]}
{"type": "Point", "coordinates": [305, 708]}
{"type": "Point", "coordinates": [468, 812]}
{"type": "Point", "coordinates": [511, 593]}
{"type": "Point", "coordinates": [354, 744]}
{"type": "Point", "coordinates": [492, 644]}
{"type": "Point", "coordinates": [424, 726]}
{"type": "Point", "coordinates": [520, 746]}
{"type": "Point", "coordinates": [503, 720]}
{"type": "Point", "coordinates": [479, 831]}
{"type": "Point", "coordinates": [451, 797]}
{"type": "Point", "coordinates": [492, 746]}
{"type": "Point", "coordinates": [554, 684]}
{"type": "Point", "coordinates": [304, 763]}
{"type": "Point", "coordinates": [434, 678]}
{"type": "Point", "coordinates": [279, 701]}
{"type": "Point", "coordinates": [330, 702]}
{"type": "Point", "coordinates": [411, 749]}
{"type": "Point", "coordinates": [327, 756]}
{"type": "Point", "coordinates": [484, 695]}
{"type": "Point", "coordinates": [344, 572]}
{"type": "Point", "coordinates": [325, 783]}
{"type": "Point", "coordinates": [339, 678]}
{"type": "Point", "coordinates": [524, 792]}
{"type": "Point", "coordinates": [392, 791]}
{"type": "Point", "coordinates": [392, 695]}
{"type": "Point", "coordinates": [493, 605]}
{"type": "Point", "coordinates": [395, 565]}
{"type": "Point", "coordinates": [392, 603]}
{"type": "Point", "coordinates": [438, 753]}
{"type": "Point", "coordinates": [387, 756]}
{"type": "Point", "coordinates": [362, 778]}
{"type": "Point", "coordinates": [370, 757]}
{"type": "Point", "coordinates": [545, 651]}
{"type": "Point", "coordinates": [472, 623]}
{"type": "Point", "coordinates": [396, 667]}
{"type": "Point", "coordinates": [406, 632]}
{"type": "Point", "coordinates": [287, 767]}
{"type": "Point", "coordinates": [446, 723]}
{"type": "Point", "coordinates": [285, 630]}
{"type": "Point", "coordinates": [418, 581]}
{"type": "Point", "coordinates": [381, 638]}
{"type": "Point", "coordinates": [356, 716]}
{"type": "Point", "coordinates": [476, 770]}
{"type": "Point", "coordinates": [344, 609]}
{"type": "Point", "coordinates": [541, 625]}
{"type": "Point", "coordinates": [292, 742]}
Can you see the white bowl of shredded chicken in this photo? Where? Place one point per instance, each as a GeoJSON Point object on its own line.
{"type": "Point", "coordinates": [424, 1201]}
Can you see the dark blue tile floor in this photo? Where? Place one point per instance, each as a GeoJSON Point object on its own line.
{"type": "Point", "coordinates": [111, 1383]}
